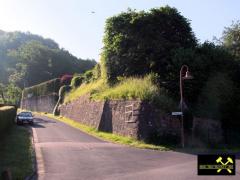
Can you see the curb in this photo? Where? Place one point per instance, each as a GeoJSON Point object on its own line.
{"type": "Point", "coordinates": [39, 168]}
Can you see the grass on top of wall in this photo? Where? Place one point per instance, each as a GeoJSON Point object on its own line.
{"type": "Point", "coordinates": [107, 136]}
{"type": "Point", "coordinates": [128, 88]}
{"type": "Point", "coordinates": [85, 89]}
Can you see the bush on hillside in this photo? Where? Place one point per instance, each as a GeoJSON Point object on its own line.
{"type": "Point", "coordinates": [76, 81]}
{"type": "Point", "coordinates": [7, 117]}
{"type": "Point", "coordinates": [93, 74]}
{"type": "Point", "coordinates": [96, 72]}
{"type": "Point", "coordinates": [88, 76]}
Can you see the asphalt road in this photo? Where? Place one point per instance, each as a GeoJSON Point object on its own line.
{"type": "Point", "coordinates": [66, 153]}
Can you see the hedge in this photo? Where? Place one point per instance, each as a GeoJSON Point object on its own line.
{"type": "Point", "coordinates": [45, 88]}
{"type": "Point", "coordinates": [77, 81]}
{"type": "Point", "coordinates": [7, 117]}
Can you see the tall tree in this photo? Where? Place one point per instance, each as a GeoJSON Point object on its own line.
{"type": "Point", "coordinates": [136, 43]}
{"type": "Point", "coordinates": [231, 38]}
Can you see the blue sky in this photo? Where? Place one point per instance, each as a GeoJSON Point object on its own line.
{"type": "Point", "coordinates": [71, 23]}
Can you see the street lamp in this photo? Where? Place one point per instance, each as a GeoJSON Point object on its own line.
{"type": "Point", "coordinates": [186, 77]}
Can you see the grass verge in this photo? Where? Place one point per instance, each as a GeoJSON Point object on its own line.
{"type": "Point", "coordinates": [107, 136]}
{"type": "Point", "coordinates": [16, 152]}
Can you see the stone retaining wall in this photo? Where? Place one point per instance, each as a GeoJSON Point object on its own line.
{"type": "Point", "coordinates": [132, 118]}
{"type": "Point", "coordinates": [40, 103]}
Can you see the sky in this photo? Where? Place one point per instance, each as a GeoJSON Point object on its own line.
{"type": "Point", "coordinates": [75, 28]}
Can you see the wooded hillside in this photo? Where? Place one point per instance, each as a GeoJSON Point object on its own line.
{"type": "Point", "coordinates": [27, 59]}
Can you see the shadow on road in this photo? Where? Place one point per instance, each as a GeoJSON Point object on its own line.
{"type": "Point", "coordinates": [38, 122]}
{"type": "Point", "coordinates": [36, 125]}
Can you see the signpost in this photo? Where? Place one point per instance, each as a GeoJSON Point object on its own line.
{"type": "Point", "coordinates": [177, 113]}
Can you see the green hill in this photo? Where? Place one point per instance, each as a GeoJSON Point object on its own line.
{"type": "Point", "coordinates": [27, 59]}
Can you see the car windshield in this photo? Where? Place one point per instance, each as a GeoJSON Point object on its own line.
{"type": "Point", "coordinates": [25, 114]}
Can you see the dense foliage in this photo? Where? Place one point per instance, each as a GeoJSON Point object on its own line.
{"type": "Point", "coordinates": [204, 61]}
{"type": "Point", "coordinates": [138, 43]}
{"type": "Point", "coordinates": [231, 39]}
{"type": "Point", "coordinates": [10, 94]}
{"type": "Point", "coordinates": [7, 117]}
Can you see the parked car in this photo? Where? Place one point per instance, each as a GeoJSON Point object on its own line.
{"type": "Point", "coordinates": [24, 117]}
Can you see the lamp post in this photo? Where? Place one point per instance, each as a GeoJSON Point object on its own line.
{"type": "Point", "coordinates": [186, 77]}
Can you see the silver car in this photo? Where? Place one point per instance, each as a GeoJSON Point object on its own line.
{"type": "Point", "coordinates": [24, 117]}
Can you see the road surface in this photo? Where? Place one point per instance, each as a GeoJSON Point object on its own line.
{"type": "Point", "coordinates": [66, 153]}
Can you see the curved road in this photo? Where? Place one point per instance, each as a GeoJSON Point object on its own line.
{"type": "Point", "coordinates": [66, 153]}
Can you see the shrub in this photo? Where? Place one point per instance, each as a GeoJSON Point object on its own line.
{"type": "Point", "coordinates": [7, 117]}
{"type": "Point", "coordinates": [96, 71]}
{"type": "Point", "coordinates": [76, 81]}
{"type": "Point", "coordinates": [88, 76]}
{"type": "Point", "coordinates": [92, 75]}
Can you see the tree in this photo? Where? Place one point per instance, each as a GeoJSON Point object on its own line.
{"type": "Point", "coordinates": [137, 43]}
{"type": "Point", "coordinates": [28, 59]}
{"type": "Point", "coordinates": [231, 38]}
{"type": "Point", "coordinates": [2, 90]}
{"type": "Point", "coordinates": [37, 63]}
{"type": "Point", "coordinates": [14, 94]}
{"type": "Point", "coordinates": [204, 61]}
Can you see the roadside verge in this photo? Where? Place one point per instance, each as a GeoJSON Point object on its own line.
{"type": "Point", "coordinates": [16, 153]}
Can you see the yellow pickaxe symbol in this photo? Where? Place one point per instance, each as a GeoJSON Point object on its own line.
{"type": "Point", "coordinates": [219, 160]}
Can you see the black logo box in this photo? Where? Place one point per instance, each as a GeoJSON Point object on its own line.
{"type": "Point", "coordinates": [210, 159]}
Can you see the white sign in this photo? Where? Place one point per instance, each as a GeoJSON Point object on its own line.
{"type": "Point", "coordinates": [177, 113]}
{"type": "Point", "coordinates": [30, 95]}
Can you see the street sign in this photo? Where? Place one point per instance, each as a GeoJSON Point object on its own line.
{"type": "Point", "coordinates": [177, 113]}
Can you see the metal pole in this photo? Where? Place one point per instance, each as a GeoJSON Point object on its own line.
{"type": "Point", "coordinates": [181, 105]}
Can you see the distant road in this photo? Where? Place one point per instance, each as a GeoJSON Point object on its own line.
{"type": "Point", "coordinates": [66, 153]}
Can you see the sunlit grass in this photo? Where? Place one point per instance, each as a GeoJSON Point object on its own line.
{"type": "Point", "coordinates": [5, 108]}
{"type": "Point", "coordinates": [129, 88]}
{"type": "Point", "coordinates": [108, 136]}
{"type": "Point", "coordinates": [85, 89]}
